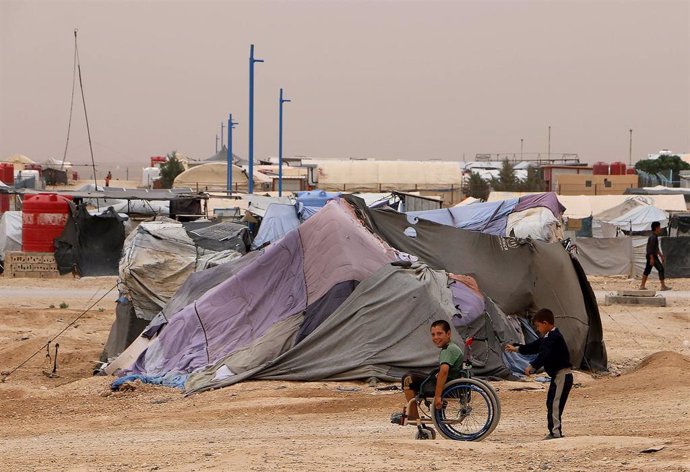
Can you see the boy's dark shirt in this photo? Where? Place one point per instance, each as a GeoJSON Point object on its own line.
{"type": "Point", "coordinates": [653, 245]}
{"type": "Point", "coordinates": [552, 352]}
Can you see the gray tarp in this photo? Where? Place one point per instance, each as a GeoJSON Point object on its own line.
{"type": "Point", "coordinates": [381, 330]}
{"type": "Point", "coordinates": [519, 276]}
{"type": "Point", "coordinates": [156, 260]}
{"type": "Point", "coordinates": [605, 256]}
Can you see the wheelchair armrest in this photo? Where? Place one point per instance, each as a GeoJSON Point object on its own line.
{"type": "Point", "coordinates": [431, 376]}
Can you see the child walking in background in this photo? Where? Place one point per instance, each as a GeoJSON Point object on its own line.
{"type": "Point", "coordinates": [552, 354]}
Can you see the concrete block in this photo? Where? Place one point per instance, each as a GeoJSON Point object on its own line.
{"type": "Point", "coordinates": [646, 301]}
{"type": "Point", "coordinates": [637, 293]}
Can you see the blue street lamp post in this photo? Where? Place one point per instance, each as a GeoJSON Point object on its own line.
{"type": "Point", "coordinates": [231, 125]}
{"type": "Point", "coordinates": [251, 117]}
{"type": "Point", "coordinates": [280, 142]}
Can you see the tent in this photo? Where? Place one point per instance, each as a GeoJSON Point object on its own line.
{"type": "Point", "coordinates": [212, 176]}
{"type": "Point", "coordinates": [157, 258]}
{"type": "Point", "coordinates": [10, 232]}
{"type": "Point", "coordinates": [331, 300]}
{"type": "Point", "coordinates": [519, 276]}
{"type": "Point", "coordinates": [537, 216]}
{"type": "Point", "coordinates": [90, 243]}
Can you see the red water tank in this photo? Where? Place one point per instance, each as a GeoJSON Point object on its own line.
{"type": "Point", "coordinates": [4, 202]}
{"type": "Point", "coordinates": [156, 160]}
{"type": "Point", "coordinates": [631, 170]}
{"type": "Point", "coordinates": [7, 173]}
{"type": "Point", "coordinates": [75, 175]}
{"type": "Point", "coordinates": [618, 168]}
{"type": "Point", "coordinates": [600, 168]}
{"type": "Point", "coordinates": [43, 218]}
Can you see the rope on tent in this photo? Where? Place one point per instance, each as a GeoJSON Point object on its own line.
{"type": "Point", "coordinates": [40, 349]}
{"type": "Point", "coordinates": [71, 104]}
{"type": "Point", "coordinates": [619, 325]}
{"type": "Point", "coordinates": [208, 356]}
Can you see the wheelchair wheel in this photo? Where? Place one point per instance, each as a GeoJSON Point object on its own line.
{"type": "Point", "coordinates": [425, 433]}
{"type": "Point", "coordinates": [497, 404]}
{"type": "Point", "coordinates": [469, 413]}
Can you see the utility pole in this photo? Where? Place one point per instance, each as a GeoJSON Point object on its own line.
{"type": "Point", "coordinates": [549, 150]}
{"type": "Point", "coordinates": [630, 152]}
{"type": "Point", "coordinates": [222, 128]}
{"type": "Point", "coordinates": [281, 100]}
{"type": "Point", "coordinates": [252, 60]}
{"type": "Point", "coordinates": [231, 125]}
{"type": "Point", "coordinates": [216, 144]}
{"type": "Point", "coordinates": [522, 141]}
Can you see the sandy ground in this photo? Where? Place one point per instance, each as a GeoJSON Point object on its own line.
{"type": "Point", "coordinates": [73, 423]}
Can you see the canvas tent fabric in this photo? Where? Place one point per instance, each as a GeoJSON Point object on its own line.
{"type": "Point", "coordinates": [194, 287]}
{"type": "Point", "coordinates": [276, 288]}
{"type": "Point", "coordinates": [536, 216]}
{"type": "Point", "coordinates": [605, 256]}
{"type": "Point", "coordinates": [676, 256]}
{"type": "Point", "coordinates": [518, 275]}
{"type": "Point", "coordinates": [634, 220]}
{"type": "Point", "coordinates": [276, 223]}
{"type": "Point", "coordinates": [156, 259]}
{"type": "Point", "coordinates": [90, 243]}
{"type": "Point", "coordinates": [213, 175]}
{"type": "Point", "coordinates": [358, 340]}
{"type": "Point", "coordinates": [379, 176]}
{"type": "Point", "coordinates": [10, 232]}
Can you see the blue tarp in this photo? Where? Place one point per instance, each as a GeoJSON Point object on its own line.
{"type": "Point", "coordinates": [276, 223]}
{"type": "Point", "coordinates": [316, 198]}
{"type": "Point", "coordinates": [490, 217]}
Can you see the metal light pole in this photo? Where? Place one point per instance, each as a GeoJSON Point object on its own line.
{"type": "Point", "coordinates": [231, 125]}
{"type": "Point", "coordinates": [251, 117]}
{"type": "Point", "coordinates": [630, 152]}
{"type": "Point", "coordinates": [522, 141]}
{"type": "Point", "coordinates": [549, 150]}
{"type": "Point", "coordinates": [280, 142]}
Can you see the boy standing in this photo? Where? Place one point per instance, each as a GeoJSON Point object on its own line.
{"type": "Point", "coordinates": [552, 354]}
{"type": "Point", "coordinates": [654, 258]}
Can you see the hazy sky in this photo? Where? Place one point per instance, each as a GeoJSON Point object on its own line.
{"type": "Point", "coordinates": [396, 80]}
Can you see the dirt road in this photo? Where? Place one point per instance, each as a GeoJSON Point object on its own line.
{"type": "Point", "coordinates": [74, 423]}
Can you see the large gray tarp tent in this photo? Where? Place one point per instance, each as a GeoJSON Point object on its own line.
{"type": "Point", "coordinates": [324, 302]}
{"type": "Point", "coordinates": [519, 275]}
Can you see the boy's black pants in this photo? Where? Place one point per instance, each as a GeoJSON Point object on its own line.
{"type": "Point", "coordinates": [559, 390]}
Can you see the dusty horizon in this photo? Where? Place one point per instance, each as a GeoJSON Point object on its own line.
{"type": "Point", "coordinates": [385, 80]}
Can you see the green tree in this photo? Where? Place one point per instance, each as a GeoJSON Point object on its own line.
{"type": "Point", "coordinates": [170, 169]}
{"type": "Point", "coordinates": [478, 187]}
{"type": "Point", "coordinates": [506, 181]}
{"type": "Point", "coordinates": [662, 163]}
{"type": "Point", "coordinates": [533, 182]}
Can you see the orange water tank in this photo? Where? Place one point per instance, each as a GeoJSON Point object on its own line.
{"type": "Point", "coordinates": [618, 168]}
{"type": "Point", "coordinates": [43, 218]}
{"type": "Point", "coordinates": [600, 168]}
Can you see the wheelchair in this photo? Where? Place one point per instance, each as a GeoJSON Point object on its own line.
{"type": "Point", "coordinates": [470, 408]}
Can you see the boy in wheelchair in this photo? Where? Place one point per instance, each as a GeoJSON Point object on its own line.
{"type": "Point", "coordinates": [431, 384]}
